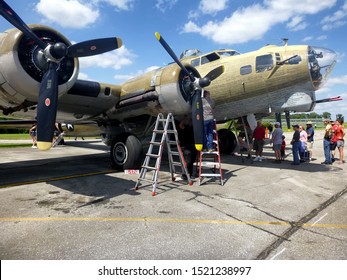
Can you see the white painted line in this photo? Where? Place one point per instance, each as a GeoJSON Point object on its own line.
{"type": "Point", "coordinates": [279, 253]}
{"type": "Point", "coordinates": [321, 218]}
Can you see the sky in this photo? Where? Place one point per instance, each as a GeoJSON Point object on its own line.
{"type": "Point", "coordinates": [206, 25]}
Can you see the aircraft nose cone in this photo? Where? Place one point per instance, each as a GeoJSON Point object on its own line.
{"type": "Point", "coordinates": [321, 63]}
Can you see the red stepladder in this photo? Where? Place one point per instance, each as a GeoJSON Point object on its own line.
{"type": "Point", "coordinates": [209, 162]}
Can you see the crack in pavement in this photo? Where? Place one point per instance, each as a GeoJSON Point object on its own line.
{"type": "Point", "coordinates": [295, 226]}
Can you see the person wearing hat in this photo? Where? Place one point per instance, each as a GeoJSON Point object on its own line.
{"type": "Point", "coordinates": [310, 138]}
{"type": "Point", "coordinates": [328, 134]}
{"type": "Point", "coordinates": [276, 140]}
{"type": "Point", "coordinates": [296, 145]}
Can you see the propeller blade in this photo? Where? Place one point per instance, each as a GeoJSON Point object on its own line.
{"type": "Point", "coordinates": [11, 16]}
{"type": "Point", "coordinates": [198, 120]}
{"type": "Point", "coordinates": [94, 47]}
{"type": "Point", "coordinates": [47, 107]}
{"type": "Point", "coordinates": [215, 73]}
{"type": "Point", "coordinates": [173, 55]}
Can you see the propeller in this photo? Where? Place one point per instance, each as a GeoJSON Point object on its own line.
{"type": "Point", "coordinates": [53, 54]}
{"type": "Point", "coordinates": [196, 87]}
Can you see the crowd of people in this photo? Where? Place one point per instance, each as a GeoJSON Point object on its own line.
{"type": "Point", "coordinates": [301, 143]}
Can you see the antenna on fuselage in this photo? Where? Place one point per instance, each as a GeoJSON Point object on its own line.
{"type": "Point", "coordinates": [285, 41]}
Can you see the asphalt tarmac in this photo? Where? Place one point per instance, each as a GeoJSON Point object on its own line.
{"type": "Point", "coordinates": [68, 203]}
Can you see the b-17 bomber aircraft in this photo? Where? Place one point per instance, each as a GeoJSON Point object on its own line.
{"type": "Point", "coordinates": [38, 79]}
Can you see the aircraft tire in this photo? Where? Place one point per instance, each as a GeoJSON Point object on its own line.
{"type": "Point", "coordinates": [227, 141]}
{"type": "Point", "coordinates": [126, 153]}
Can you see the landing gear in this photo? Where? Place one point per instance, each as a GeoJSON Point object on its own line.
{"type": "Point", "coordinates": [227, 141]}
{"type": "Point", "coordinates": [126, 152]}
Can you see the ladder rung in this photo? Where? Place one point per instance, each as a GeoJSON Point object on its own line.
{"type": "Point", "coordinates": [207, 163]}
{"type": "Point", "coordinates": [155, 143]}
{"type": "Point", "coordinates": [176, 163]}
{"type": "Point", "coordinates": [172, 142]}
{"type": "Point", "coordinates": [149, 167]}
{"type": "Point", "coordinates": [152, 155]}
{"type": "Point", "coordinates": [174, 153]}
{"type": "Point", "coordinates": [210, 175]}
{"type": "Point", "coordinates": [210, 153]}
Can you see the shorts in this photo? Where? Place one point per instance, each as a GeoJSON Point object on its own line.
{"type": "Point", "coordinates": [258, 145]}
{"type": "Point", "coordinates": [309, 146]}
{"type": "Point", "coordinates": [340, 143]}
{"type": "Point", "coordinates": [277, 147]}
{"type": "Point", "coordinates": [333, 146]}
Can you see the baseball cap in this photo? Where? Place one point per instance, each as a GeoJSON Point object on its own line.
{"type": "Point", "coordinates": [296, 125]}
{"type": "Point", "coordinates": [277, 123]}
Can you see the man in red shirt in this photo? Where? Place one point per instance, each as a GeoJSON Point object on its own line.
{"type": "Point", "coordinates": [259, 140]}
{"type": "Point", "coordinates": [333, 141]}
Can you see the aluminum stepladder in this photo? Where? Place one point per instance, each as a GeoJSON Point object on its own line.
{"type": "Point", "coordinates": [211, 161]}
{"type": "Point", "coordinates": [165, 129]}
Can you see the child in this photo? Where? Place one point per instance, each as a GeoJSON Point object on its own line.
{"type": "Point", "coordinates": [283, 147]}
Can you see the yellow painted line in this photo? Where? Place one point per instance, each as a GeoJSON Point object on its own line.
{"type": "Point", "coordinates": [56, 179]}
{"type": "Point", "coordinates": [167, 220]}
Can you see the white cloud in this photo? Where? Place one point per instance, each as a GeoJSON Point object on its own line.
{"type": "Point", "coordinates": [336, 20]}
{"type": "Point", "coordinates": [297, 23]}
{"type": "Point", "coordinates": [75, 13]}
{"type": "Point", "coordinates": [83, 76]}
{"type": "Point", "coordinates": [208, 7]}
{"type": "Point", "coordinates": [307, 39]}
{"type": "Point", "coordinates": [252, 22]}
{"type": "Point", "coordinates": [115, 59]}
{"type": "Point", "coordinates": [163, 5]}
{"type": "Point", "coordinates": [120, 4]}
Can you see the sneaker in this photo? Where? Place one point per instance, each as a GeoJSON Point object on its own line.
{"type": "Point", "coordinates": [34, 147]}
{"type": "Point", "coordinates": [260, 159]}
{"type": "Point", "coordinates": [211, 150]}
{"type": "Point", "coordinates": [256, 159]}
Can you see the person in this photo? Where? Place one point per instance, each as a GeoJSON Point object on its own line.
{"type": "Point", "coordinates": [208, 104]}
{"type": "Point", "coordinates": [186, 138]}
{"type": "Point", "coordinates": [259, 140]}
{"type": "Point", "coordinates": [333, 141]}
{"type": "Point", "coordinates": [32, 132]}
{"type": "Point", "coordinates": [303, 140]}
{"type": "Point", "coordinates": [296, 144]}
{"type": "Point", "coordinates": [276, 140]}
{"type": "Point", "coordinates": [310, 138]}
{"type": "Point", "coordinates": [340, 143]}
{"type": "Point", "coordinates": [283, 147]}
{"type": "Point", "coordinates": [328, 133]}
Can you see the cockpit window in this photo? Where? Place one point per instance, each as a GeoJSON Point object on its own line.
{"type": "Point", "coordinates": [228, 53]}
{"type": "Point", "coordinates": [264, 63]}
{"type": "Point", "coordinates": [195, 62]}
{"type": "Point", "coordinates": [210, 57]}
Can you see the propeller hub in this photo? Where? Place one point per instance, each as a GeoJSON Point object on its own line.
{"type": "Point", "coordinates": [204, 82]}
{"type": "Point", "coordinates": [58, 50]}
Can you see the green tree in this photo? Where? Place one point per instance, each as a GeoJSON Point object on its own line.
{"type": "Point", "coordinates": [326, 115]}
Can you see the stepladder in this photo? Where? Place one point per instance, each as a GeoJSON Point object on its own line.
{"type": "Point", "coordinates": [209, 165]}
{"type": "Point", "coordinates": [164, 135]}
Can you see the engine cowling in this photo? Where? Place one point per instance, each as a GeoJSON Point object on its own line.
{"type": "Point", "coordinates": [168, 85]}
{"type": "Point", "coordinates": [22, 65]}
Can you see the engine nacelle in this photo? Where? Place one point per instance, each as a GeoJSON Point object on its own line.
{"type": "Point", "coordinates": [22, 65]}
{"type": "Point", "coordinates": [167, 85]}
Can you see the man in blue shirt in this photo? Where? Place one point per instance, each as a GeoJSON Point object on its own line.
{"type": "Point", "coordinates": [310, 138]}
